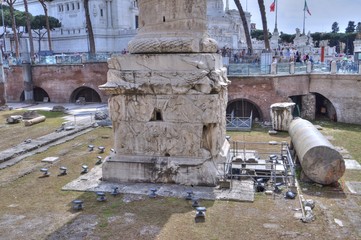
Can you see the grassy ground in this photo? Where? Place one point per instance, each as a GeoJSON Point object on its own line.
{"type": "Point", "coordinates": [33, 207]}
{"type": "Point", "coordinates": [17, 133]}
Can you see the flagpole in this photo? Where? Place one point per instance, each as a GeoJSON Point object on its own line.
{"type": "Point", "coordinates": [276, 30]}
{"type": "Point", "coordinates": [304, 17]}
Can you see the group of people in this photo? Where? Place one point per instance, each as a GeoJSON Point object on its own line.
{"type": "Point", "coordinates": [293, 55]}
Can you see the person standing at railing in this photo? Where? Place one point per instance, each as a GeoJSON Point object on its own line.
{"type": "Point", "coordinates": [298, 57]}
{"type": "Point", "coordinates": [292, 55]}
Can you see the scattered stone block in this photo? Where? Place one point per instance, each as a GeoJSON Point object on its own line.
{"type": "Point", "coordinates": [100, 115]}
{"type": "Point", "coordinates": [31, 114]}
{"type": "Point", "coordinates": [5, 108]}
{"type": "Point", "coordinates": [309, 203]}
{"type": "Point", "coordinates": [14, 119]}
{"type": "Point", "coordinates": [268, 192]}
{"type": "Point", "coordinates": [338, 222]}
{"type": "Point", "coordinates": [352, 165]}
{"type": "Point", "coordinates": [50, 159]}
{"type": "Point", "coordinates": [58, 108]}
{"type": "Point", "coordinates": [80, 101]}
{"type": "Point", "coordinates": [354, 187]}
{"type": "Point", "coordinates": [272, 132]}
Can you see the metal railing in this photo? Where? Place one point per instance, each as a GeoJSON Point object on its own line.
{"type": "Point", "coordinates": [238, 123]}
{"type": "Point", "coordinates": [271, 161]}
{"type": "Point", "coordinates": [248, 66]}
{"type": "Point", "coordinates": [347, 67]}
{"type": "Point", "coordinates": [75, 58]}
{"type": "Point", "coordinates": [239, 69]}
{"type": "Point", "coordinates": [248, 69]}
{"type": "Point", "coordinates": [58, 59]}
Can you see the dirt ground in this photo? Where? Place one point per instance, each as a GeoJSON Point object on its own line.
{"type": "Point", "coordinates": [35, 207]}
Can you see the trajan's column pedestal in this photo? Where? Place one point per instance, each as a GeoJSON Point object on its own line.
{"type": "Point", "coordinates": [168, 99]}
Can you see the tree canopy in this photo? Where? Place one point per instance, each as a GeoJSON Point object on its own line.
{"type": "Point", "coordinates": [335, 27]}
{"type": "Point", "coordinates": [351, 27]}
{"type": "Point", "coordinates": [39, 22]}
{"type": "Point", "coordinates": [20, 17]}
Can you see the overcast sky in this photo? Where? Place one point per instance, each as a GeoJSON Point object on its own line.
{"type": "Point", "coordinates": [290, 14]}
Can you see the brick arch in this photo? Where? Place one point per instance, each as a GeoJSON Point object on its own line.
{"type": "Point", "coordinates": [325, 107]}
{"type": "Point", "coordinates": [39, 95]}
{"type": "Point", "coordinates": [88, 93]}
{"type": "Point", "coordinates": [242, 107]}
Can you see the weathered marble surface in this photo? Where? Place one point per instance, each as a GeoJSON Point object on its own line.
{"type": "Point", "coordinates": [176, 26]}
{"type": "Point", "coordinates": [166, 74]}
{"type": "Point", "coordinates": [168, 114]}
{"type": "Point", "coordinates": [281, 115]}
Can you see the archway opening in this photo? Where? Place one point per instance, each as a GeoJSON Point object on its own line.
{"type": "Point", "coordinates": [86, 94]}
{"type": "Point", "coordinates": [39, 94]}
{"type": "Point", "coordinates": [298, 107]}
{"type": "Point", "coordinates": [324, 108]}
{"type": "Point", "coordinates": [244, 108]}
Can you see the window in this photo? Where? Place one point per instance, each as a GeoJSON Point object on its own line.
{"type": "Point", "coordinates": [136, 22]}
{"type": "Point", "coordinates": [157, 115]}
{"type": "Point", "coordinates": [72, 6]}
{"type": "Point", "coordinates": [101, 12]}
{"type": "Point", "coordinates": [78, 5]}
{"type": "Point", "coordinates": [67, 6]}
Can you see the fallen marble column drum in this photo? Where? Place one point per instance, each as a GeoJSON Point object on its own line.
{"type": "Point", "coordinates": [320, 161]}
{"type": "Point", "coordinates": [34, 121]}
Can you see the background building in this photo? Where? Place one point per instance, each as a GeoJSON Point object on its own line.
{"type": "Point", "coordinates": [115, 22]}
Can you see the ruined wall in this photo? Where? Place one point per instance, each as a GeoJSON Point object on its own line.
{"type": "Point", "coordinates": [309, 107]}
{"type": "Point", "coordinates": [343, 91]}
{"type": "Point", "coordinates": [2, 94]}
{"type": "Point", "coordinates": [14, 83]}
{"type": "Point", "coordinates": [59, 81]}
{"type": "Point", "coordinates": [266, 90]}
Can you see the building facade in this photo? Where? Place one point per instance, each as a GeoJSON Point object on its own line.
{"type": "Point", "coordinates": [115, 23]}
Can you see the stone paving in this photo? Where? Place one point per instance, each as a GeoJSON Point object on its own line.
{"type": "Point", "coordinates": [352, 164]}
{"type": "Point", "coordinates": [240, 191]}
{"type": "Point", "coordinates": [354, 187]}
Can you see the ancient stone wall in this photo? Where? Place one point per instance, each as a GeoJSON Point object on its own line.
{"type": "Point", "coordinates": [341, 89]}
{"type": "Point", "coordinates": [59, 81]}
{"type": "Point", "coordinates": [308, 107]}
{"type": "Point", "coordinates": [14, 83]}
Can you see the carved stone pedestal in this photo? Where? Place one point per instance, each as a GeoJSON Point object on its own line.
{"type": "Point", "coordinates": [168, 114]}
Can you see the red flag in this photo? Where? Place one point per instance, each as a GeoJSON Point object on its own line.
{"type": "Point", "coordinates": [306, 8]}
{"type": "Point", "coordinates": [272, 7]}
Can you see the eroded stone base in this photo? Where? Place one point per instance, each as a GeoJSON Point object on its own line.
{"type": "Point", "coordinates": [186, 171]}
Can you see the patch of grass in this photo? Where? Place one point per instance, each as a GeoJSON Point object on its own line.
{"type": "Point", "coordinates": [344, 135]}
{"type": "Point", "coordinates": [41, 200]}
{"type": "Point", "coordinates": [19, 132]}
